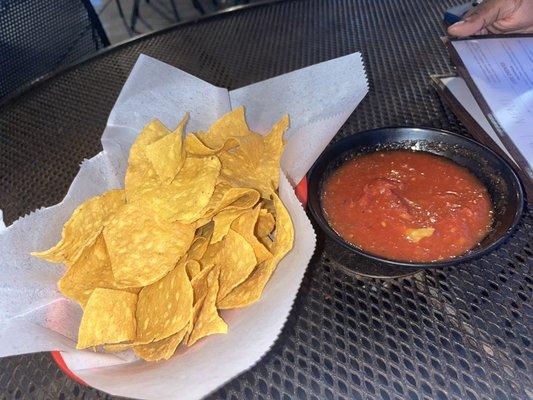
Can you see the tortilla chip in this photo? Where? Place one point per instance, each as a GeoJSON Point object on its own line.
{"type": "Point", "coordinates": [265, 223]}
{"type": "Point", "coordinates": [199, 284]}
{"type": "Point", "coordinates": [251, 289]}
{"type": "Point", "coordinates": [167, 154]}
{"type": "Point", "coordinates": [83, 227]}
{"type": "Point", "coordinates": [162, 349]}
{"type": "Point", "coordinates": [195, 313]}
{"type": "Point", "coordinates": [143, 247]}
{"type": "Point", "coordinates": [165, 307]}
{"type": "Point", "coordinates": [192, 267]}
{"type": "Point", "coordinates": [231, 125]}
{"type": "Point", "coordinates": [117, 347]}
{"type": "Point", "coordinates": [92, 270]}
{"type": "Point", "coordinates": [215, 202]}
{"type": "Point", "coordinates": [236, 260]}
{"type": "Point", "coordinates": [186, 197]}
{"type": "Point", "coordinates": [112, 201]}
{"type": "Point", "coordinates": [211, 255]}
{"type": "Point", "coordinates": [223, 221]}
{"type": "Point", "coordinates": [109, 317]}
{"type": "Point", "coordinates": [208, 321]}
{"type": "Point", "coordinates": [226, 196]}
{"type": "Point", "coordinates": [196, 147]}
{"type": "Point", "coordinates": [244, 225]}
{"type": "Point", "coordinates": [268, 205]}
{"type": "Point", "coordinates": [267, 242]}
{"type": "Point", "coordinates": [206, 230]}
{"type": "Point", "coordinates": [198, 248]}
{"type": "Point", "coordinates": [152, 132]}
{"type": "Point", "coordinates": [255, 162]}
{"type": "Point", "coordinates": [201, 242]}
{"type": "Point", "coordinates": [141, 175]}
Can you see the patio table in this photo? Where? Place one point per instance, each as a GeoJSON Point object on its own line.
{"type": "Point", "coordinates": [455, 333]}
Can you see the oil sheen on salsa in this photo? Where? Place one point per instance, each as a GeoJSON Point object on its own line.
{"type": "Point", "coordinates": [407, 206]}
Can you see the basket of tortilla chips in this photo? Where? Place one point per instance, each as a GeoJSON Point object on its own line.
{"type": "Point", "coordinates": [198, 227]}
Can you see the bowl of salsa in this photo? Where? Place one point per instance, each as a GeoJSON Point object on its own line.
{"type": "Point", "coordinates": [414, 197]}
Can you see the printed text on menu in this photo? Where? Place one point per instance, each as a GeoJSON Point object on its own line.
{"type": "Point", "coordinates": [502, 70]}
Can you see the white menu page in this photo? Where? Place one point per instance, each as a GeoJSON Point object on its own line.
{"type": "Point", "coordinates": [464, 96]}
{"type": "Point", "coordinates": [502, 71]}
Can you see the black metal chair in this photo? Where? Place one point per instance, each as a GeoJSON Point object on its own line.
{"type": "Point", "coordinates": [136, 15]}
{"type": "Point", "coordinates": [39, 36]}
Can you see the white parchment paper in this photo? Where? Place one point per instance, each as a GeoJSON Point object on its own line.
{"type": "Point", "coordinates": [35, 317]}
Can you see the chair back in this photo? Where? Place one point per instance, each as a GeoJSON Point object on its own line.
{"type": "Point", "coordinates": [39, 36]}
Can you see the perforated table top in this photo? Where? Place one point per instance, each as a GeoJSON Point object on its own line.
{"type": "Point", "coordinates": [456, 333]}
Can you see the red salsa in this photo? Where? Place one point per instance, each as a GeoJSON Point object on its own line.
{"type": "Point", "coordinates": [407, 206]}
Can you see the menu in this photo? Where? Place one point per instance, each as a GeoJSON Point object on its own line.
{"type": "Point", "coordinates": [499, 72]}
{"type": "Point", "coordinates": [463, 95]}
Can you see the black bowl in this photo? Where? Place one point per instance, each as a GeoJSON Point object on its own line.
{"type": "Point", "coordinates": [493, 171]}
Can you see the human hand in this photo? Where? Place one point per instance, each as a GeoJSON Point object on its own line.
{"type": "Point", "coordinates": [496, 16]}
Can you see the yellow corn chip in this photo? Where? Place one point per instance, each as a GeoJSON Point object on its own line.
{"type": "Point", "coordinates": [214, 204]}
{"type": "Point", "coordinates": [236, 260]}
{"type": "Point", "coordinates": [211, 255]}
{"type": "Point", "coordinates": [208, 321]}
{"type": "Point", "coordinates": [143, 247]}
{"type": "Point", "coordinates": [284, 230]}
{"type": "Point", "coordinates": [92, 270]}
{"type": "Point", "coordinates": [198, 248]}
{"type": "Point", "coordinates": [265, 223]}
{"type": "Point", "coordinates": [240, 198]}
{"type": "Point", "coordinates": [141, 175]}
{"type": "Point", "coordinates": [152, 132]}
{"type": "Point", "coordinates": [231, 125]}
{"type": "Point", "coordinates": [109, 317]}
{"type": "Point", "coordinates": [111, 202]}
{"type": "Point", "coordinates": [192, 267]}
{"type": "Point", "coordinates": [223, 222]}
{"type": "Point", "coordinates": [165, 307]}
{"type": "Point", "coordinates": [206, 230]}
{"type": "Point", "coordinates": [199, 284]}
{"type": "Point", "coordinates": [268, 205]}
{"type": "Point", "coordinates": [251, 289]}
{"type": "Point", "coordinates": [244, 225]}
{"type": "Point", "coordinates": [255, 162]}
{"type": "Point", "coordinates": [162, 349]}
{"type": "Point", "coordinates": [167, 154]}
{"type": "Point", "coordinates": [201, 242]}
{"type": "Point", "coordinates": [83, 227]}
{"type": "Point", "coordinates": [226, 196]}
{"type": "Point", "coordinates": [267, 242]}
{"type": "Point", "coordinates": [196, 147]}
{"type": "Point", "coordinates": [117, 347]}
{"type": "Point", "coordinates": [195, 312]}
{"type": "Point", "coordinates": [188, 194]}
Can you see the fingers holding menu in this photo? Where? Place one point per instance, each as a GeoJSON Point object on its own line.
{"type": "Point", "coordinates": [496, 17]}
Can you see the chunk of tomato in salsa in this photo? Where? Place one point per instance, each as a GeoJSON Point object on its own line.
{"type": "Point", "coordinates": [407, 206]}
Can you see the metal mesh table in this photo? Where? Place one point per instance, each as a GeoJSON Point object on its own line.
{"type": "Point", "coordinates": [456, 333]}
